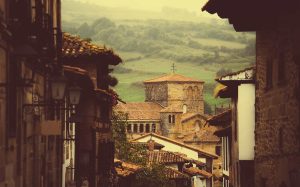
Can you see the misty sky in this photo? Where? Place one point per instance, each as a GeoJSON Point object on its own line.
{"type": "Point", "coordinates": [154, 5]}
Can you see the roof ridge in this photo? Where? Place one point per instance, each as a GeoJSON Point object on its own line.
{"type": "Point", "coordinates": [177, 142]}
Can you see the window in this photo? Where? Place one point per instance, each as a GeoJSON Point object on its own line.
{"type": "Point", "coordinates": [269, 74]}
{"type": "Point", "coordinates": [153, 127]}
{"type": "Point", "coordinates": [147, 127]}
{"type": "Point", "coordinates": [141, 128]}
{"type": "Point", "coordinates": [218, 150]}
{"type": "Point", "coordinates": [173, 118]}
{"type": "Point", "coordinates": [129, 128]}
{"type": "Point", "coordinates": [184, 109]}
{"type": "Point", "coordinates": [135, 128]}
{"type": "Point", "coordinates": [197, 126]}
{"type": "Point", "coordinates": [170, 119]}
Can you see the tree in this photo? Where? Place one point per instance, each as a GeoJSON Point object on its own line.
{"type": "Point", "coordinates": [125, 150]}
{"type": "Point", "coordinates": [152, 175]}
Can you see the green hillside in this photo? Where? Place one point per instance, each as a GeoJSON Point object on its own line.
{"type": "Point", "coordinates": [149, 47]}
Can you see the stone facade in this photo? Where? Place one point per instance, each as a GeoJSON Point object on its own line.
{"type": "Point", "coordinates": [177, 95]}
{"type": "Point", "coordinates": [277, 149]}
{"type": "Point", "coordinates": [157, 92]}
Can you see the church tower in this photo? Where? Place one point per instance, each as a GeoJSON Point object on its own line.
{"type": "Point", "coordinates": [176, 92]}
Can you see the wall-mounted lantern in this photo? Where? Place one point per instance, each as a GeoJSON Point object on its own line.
{"type": "Point", "coordinates": [58, 85]}
{"type": "Point", "coordinates": [74, 94]}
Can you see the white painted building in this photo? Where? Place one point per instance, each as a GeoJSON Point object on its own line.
{"type": "Point", "coordinates": [238, 131]}
{"type": "Point", "coordinates": [190, 152]}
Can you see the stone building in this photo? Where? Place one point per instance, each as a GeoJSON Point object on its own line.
{"type": "Point", "coordinates": [29, 155]}
{"type": "Point", "coordinates": [173, 104]}
{"type": "Point", "coordinates": [38, 103]}
{"type": "Point", "coordinates": [94, 147]}
{"type": "Point", "coordinates": [173, 107]}
{"type": "Point", "coordinates": [277, 27]}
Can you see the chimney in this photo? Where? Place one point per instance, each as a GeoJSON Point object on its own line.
{"type": "Point", "coordinates": [151, 144]}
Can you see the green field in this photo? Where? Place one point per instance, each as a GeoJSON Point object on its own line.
{"type": "Point", "coordinates": [150, 43]}
{"type": "Point", "coordinates": [133, 73]}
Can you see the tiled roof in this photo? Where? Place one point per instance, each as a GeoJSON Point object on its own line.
{"type": "Point", "coordinates": [74, 47]}
{"type": "Point", "coordinates": [226, 131]}
{"type": "Point", "coordinates": [77, 75]}
{"type": "Point", "coordinates": [172, 78]}
{"type": "Point", "coordinates": [156, 145]}
{"type": "Point", "coordinates": [200, 151]}
{"type": "Point", "coordinates": [175, 174]}
{"type": "Point", "coordinates": [195, 171]}
{"type": "Point", "coordinates": [203, 135]}
{"type": "Point", "coordinates": [172, 109]}
{"type": "Point", "coordinates": [165, 157]}
{"type": "Point", "coordinates": [125, 169]}
{"type": "Point", "coordinates": [247, 74]}
{"type": "Point", "coordinates": [223, 118]}
{"type": "Point", "coordinates": [187, 116]}
{"type": "Point", "coordinates": [140, 110]}
{"type": "Point", "coordinates": [197, 162]}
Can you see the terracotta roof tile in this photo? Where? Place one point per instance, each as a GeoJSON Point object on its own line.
{"type": "Point", "coordinates": [165, 157]}
{"type": "Point", "coordinates": [74, 46]}
{"type": "Point", "coordinates": [172, 78]}
{"type": "Point", "coordinates": [140, 110]}
{"type": "Point", "coordinates": [195, 171]}
{"type": "Point", "coordinates": [125, 169]}
{"type": "Point", "coordinates": [223, 118]}
{"type": "Point", "coordinates": [175, 174]}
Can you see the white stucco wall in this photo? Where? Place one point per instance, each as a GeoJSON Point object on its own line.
{"type": "Point", "coordinates": [197, 182]}
{"type": "Point", "coordinates": [246, 121]}
{"type": "Point", "coordinates": [174, 148]}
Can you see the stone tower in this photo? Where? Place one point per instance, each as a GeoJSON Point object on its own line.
{"type": "Point", "coordinates": [176, 92]}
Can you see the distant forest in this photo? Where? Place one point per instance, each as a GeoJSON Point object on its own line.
{"type": "Point", "coordinates": [149, 43]}
{"type": "Point", "coordinates": [174, 40]}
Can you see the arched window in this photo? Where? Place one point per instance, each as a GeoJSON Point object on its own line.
{"type": "Point", "coordinates": [153, 127]}
{"type": "Point", "coordinates": [197, 126]}
{"type": "Point", "coordinates": [129, 128]}
{"type": "Point", "coordinates": [170, 119]}
{"type": "Point", "coordinates": [190, 92]}
{"type": "Point", "coordinates": [196, 92]}
{"type": "Point", "coordinates": [184, 108]}
{"type": "Point", "coordinates": [147, 127]}
{"type": "Point", "coordinates": [141, 128]}
{"type": "Point", "coordinates": [135, 128]}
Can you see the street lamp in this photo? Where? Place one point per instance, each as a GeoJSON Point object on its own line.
{"type": "Point", "coordinates": [58, 86]}
{"type": "Point", "coordinates": [74, 95]}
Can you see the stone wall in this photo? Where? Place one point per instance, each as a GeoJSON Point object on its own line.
{"type": "Point", "coordinates": [277, 131]}
{"type": "Point", "coordinates": [189, 94]}
{"type": "Point", "coordinates": [176, 95]}
{"type": "Point", "coordinates": [170, 129]}
{"type": "Point", "coordinates": [156, 92]}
